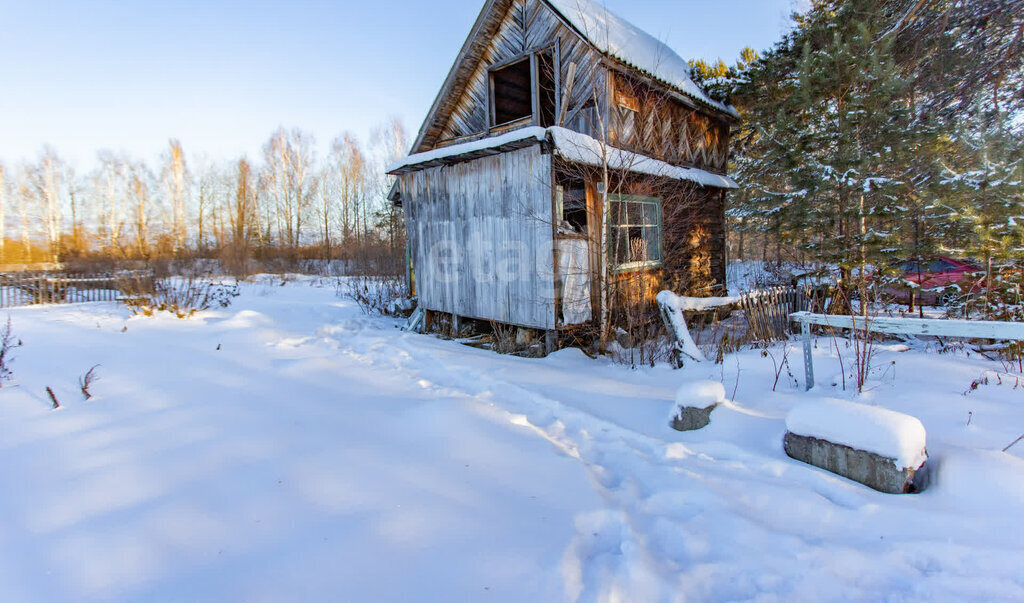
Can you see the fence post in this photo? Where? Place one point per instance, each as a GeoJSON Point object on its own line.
{"type": "Point", "coordinates": [805, 329]}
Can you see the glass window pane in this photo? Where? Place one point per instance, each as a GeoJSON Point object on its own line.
{"type": "Point", "coordinates": [634, 214]}
{"type": "Point", "coordinates": [634, 230]}
{"type": "Point", "coordinates": [618, 243]}
{"type": "Point", "coordinates": [652, 236]}
{"type": "Point", "coordinates": [651, 214]}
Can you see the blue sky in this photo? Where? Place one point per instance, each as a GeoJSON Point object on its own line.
{"type": "Point", "coordinates": [220, 76]}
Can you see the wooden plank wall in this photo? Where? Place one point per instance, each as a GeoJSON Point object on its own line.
{"type": "Point", "coordinates": [481, 239]}
{"type": "Point", "coordinates": [528, 24]}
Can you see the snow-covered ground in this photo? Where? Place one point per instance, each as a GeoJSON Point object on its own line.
{"type": "Point", "coordinates": [290, 448]}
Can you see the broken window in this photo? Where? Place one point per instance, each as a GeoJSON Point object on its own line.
{"type": "Point", "coordinates": [546, 88]}
{"type": "Point", "coordinates": [517, 89]}
{"type": "Point", "coordinates": [511, 93]}
{"type": "Point", "coordinates": [571, 207]}
{"type": "Point", "coordinates": [635, 229]}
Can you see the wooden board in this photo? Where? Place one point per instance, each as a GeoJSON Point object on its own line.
{"type": "Point", "coordinates": [975, 329]}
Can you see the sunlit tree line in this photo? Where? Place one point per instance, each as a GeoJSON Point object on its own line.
{"type": "Point", "coordinates": [290, 202]}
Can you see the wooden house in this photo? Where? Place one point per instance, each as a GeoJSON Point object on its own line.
{"type": "Point", "coordinates": [566, 151]}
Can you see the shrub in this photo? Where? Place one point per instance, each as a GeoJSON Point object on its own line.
{"type": "Point", "coordinates": [7, 344]}
{"type": "Point", "coordinates": [86, 381]}
{"type": "Point", "coordinates": [383, 295]}
{"type": "Point", "coordinates": [182, 296]}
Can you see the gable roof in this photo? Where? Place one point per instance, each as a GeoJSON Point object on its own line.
{"type": "Point", "coordinates": [602, 29]}
{"type": "Point", "coordinates": [621, 40]}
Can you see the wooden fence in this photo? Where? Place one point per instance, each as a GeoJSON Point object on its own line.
{"type": "Point", "coordinates": [980, 329]}
{"type": "Point", "coordinates": [28, 288]}
{"type": "Point", "coordinates": [715, 325]}
{"type": "Point", "coordinates": [767, 310]}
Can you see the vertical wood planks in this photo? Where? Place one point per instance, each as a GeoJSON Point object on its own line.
{"type": "Point", "coordinates": [480, 234]}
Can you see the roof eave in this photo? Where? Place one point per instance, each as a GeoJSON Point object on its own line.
{"type": "Point", "coordinates": [449, 81]}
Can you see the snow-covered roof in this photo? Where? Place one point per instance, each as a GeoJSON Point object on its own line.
{"type": "Point", "coordinates": [573, 147]}
{"type": "Point", "coordinates": [620, 39]}
{"type": "Point", "coordinates": [580, 148]}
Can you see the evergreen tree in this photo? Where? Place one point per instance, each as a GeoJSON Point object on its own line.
{"type": "Point", "coordinates": [883, 128]}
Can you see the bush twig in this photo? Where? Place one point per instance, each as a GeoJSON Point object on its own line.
{"type": "Point", "coordinates": [86, 380]}
{"type": "Point", "coordinates": [7, 344]}
{"type": "Point", "coordinates": [53, 397]}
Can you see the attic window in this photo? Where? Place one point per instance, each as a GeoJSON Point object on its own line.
{"type": "Point", "coordinates": [511, 93]}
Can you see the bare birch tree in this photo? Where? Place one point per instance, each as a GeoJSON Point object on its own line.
{"type": "Point", "coordinates": [138, 176]}
{"type": "Point", "coordinates": [110, 183]}
{"type": "Point", "coordinates": [289, 160]}
{"type": "Point", "coordinates": [24, 191]}
{"type": "Point", "coordinates": [241, 216]}
{"type": "Point", "coordinates": [47, 178]}
{"type": "Point", "coordinates": [176, 181]}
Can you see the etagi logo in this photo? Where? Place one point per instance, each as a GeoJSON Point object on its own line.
{"type": "Point", "coordinates": [485, 261]}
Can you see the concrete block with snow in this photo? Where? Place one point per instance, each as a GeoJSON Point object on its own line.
{"type": "Point", "coordinates": [694, 403]}
{"type": "Point", "coordinates": [877, 447]}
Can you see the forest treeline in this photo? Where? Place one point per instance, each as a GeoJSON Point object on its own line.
{"type": "Point", "coordinates": [287, 204]}
{"type": "Point", "coordinates": [881, 129]}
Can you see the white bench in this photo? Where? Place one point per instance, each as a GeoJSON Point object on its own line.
{"type": "Point", "coordinates": [975, 329]}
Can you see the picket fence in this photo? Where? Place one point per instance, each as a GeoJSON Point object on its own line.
{"type": "Point", "coordinates": [29, 288]}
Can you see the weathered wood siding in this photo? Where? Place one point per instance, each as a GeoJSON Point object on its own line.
{"type": "Point", "coordinates": [481, 240]}
{"type": "Point", "coordinates": [527, 25]}
{"type": "Point", "coordinates": [649, 122]}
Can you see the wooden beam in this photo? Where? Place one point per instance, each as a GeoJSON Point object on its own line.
{"type": "Point", "coordinates": [940, 327]}
{"type": "Point", "coordinates": [973, 329]}
{"type": "Point", "coordinates": [566, 94]}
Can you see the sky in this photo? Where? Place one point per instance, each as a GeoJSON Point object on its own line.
{"type": "Point", "coordinates": [220, 76]}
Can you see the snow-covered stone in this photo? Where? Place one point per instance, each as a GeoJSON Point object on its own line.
{"type": "Point", "coordinates": [694, 403]}
{"type": "Point", "coordinates": [884, 432]}
{"type": "Point", "coordinates": [879, 448]}
{"type": "Point", "coordinates": [700, 393]}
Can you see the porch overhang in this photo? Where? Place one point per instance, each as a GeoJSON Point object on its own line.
{"type": "Point", "coordinates": [568, 145]}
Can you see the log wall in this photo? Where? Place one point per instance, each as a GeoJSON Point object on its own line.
{"type": "Point", "coordinates": [693, 233]}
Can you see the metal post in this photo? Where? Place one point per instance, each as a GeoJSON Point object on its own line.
{"type": "Point", "coordinates": [805, 328]}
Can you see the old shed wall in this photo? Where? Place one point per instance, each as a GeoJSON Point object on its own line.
{"type": "Point", "coordinates": [480, 237]}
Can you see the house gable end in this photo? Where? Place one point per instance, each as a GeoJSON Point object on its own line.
{"type": "Point", "coordinates": [505, 30]}
{"type": "Point", "coordinates": [510, 29]}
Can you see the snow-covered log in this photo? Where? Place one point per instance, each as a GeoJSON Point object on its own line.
{"type": "Point", "coordinates": [672, 307]}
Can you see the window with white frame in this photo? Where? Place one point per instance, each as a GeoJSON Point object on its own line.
{"type": "Point", "coordinates": [635, 232]}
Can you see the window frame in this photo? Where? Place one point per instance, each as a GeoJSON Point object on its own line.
{"type": "Point", "coordinates": [617, 225]}
{"type": "Point", "coordinates": [530, 55]}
